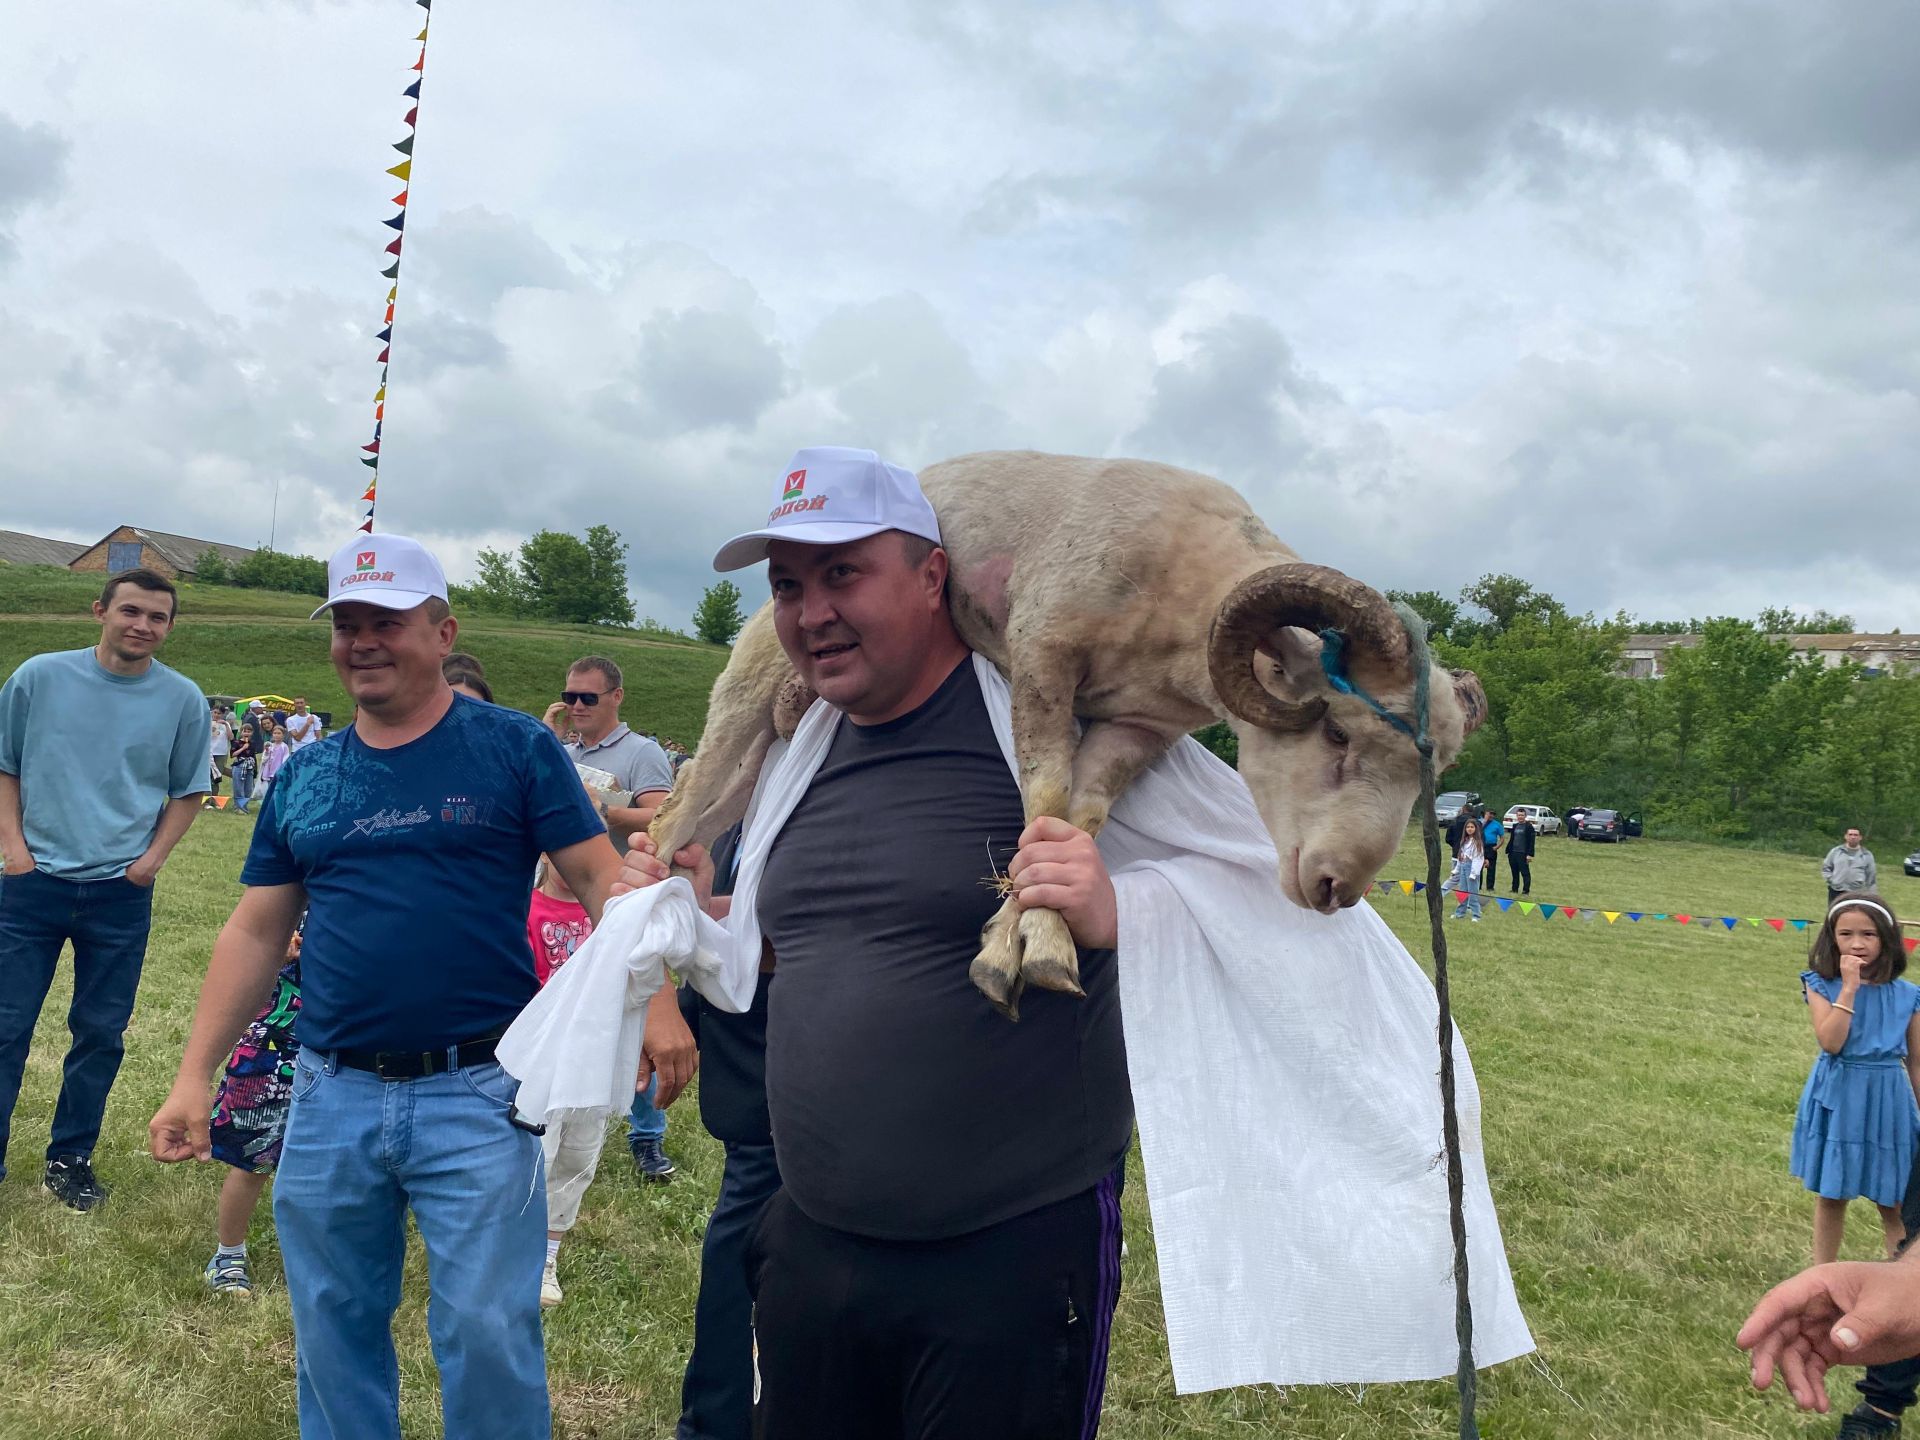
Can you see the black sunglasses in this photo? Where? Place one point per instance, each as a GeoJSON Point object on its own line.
{"type": "Point", "coordinates": [588, 698]}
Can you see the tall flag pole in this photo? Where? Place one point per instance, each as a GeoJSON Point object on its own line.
{"type": "Point", "coordinates": [403, 172]}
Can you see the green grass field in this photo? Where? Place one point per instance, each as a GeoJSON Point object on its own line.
{"type": "Point", "coordinates": [253, 642]}
{"type": "Point", "coordinates": [1639, 1087]}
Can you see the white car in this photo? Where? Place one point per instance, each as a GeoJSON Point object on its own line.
{"type": "Point", "coordinates": [1544, 820]}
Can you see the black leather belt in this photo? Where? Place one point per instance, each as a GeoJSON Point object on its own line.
{"type": "Point", "coordinates": [414, 1064]}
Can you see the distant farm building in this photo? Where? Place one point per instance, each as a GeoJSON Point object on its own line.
{"type": "Point", "coordinates": [126, 548]}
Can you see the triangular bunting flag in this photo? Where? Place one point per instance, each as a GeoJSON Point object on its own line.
{"type": "Point", "coordinates": [426, 5]}
{"type": "Point", "coordinates": [411, 116]}
{"type": "Point", "coordinates": [1683, 919]}
{"type": "Point", "coordinates": [401, 199]}
{"type": "Point", "coordinates": [379, 411]}
{"type": "Point", "coordinates": [398, 222]}
{"type": "Point", "coordinates": [394, 248]}
{"type": "Point", "coordinates": [369, 495]}
{"type": "Point", "coordinates": [1753, 922]}
{"type": "Point", "coordinates": [366, 527]}
{"type": "Point", "coordinates": [1729, 921]}
{"type": "Point", "coordinates": [392, 272]}
{"type": "Point", "coordinates": [381, 358]}
{"type": "Point", "coordinates": [412, 92]}
{"type": "Point", "coordinates": [1547, 912]}
{"type": "Point", "coordinates": [1418, 886]}
{"type": "Point", "coordinates": [421, 63]}
{"type": "Point", "coordinates": [389, 318]}
{"type": "Point", "coordinates": [1612, 915]}
{"type": "Point", "coordinates": [1798, 924]}
{"type": "Point", "coordinates": [373, 449]}
{"type": "Point", "coordinates": [1526, 906]}
{"type": "Point", "coordinates": [1461, 896]}
{"type": "Point", "coordinates": [1589, 914]}
{"type": "Point", "coordinates": [404, 170]}
{"type": "Point", "coordinates": [381, 394]}
{"type": "Point", "coordinates": [1911, 941]}
{"type": "Point", "coordinates": [370, 462]}
{"type": "Point", "coordinates": [1778, 925]}
{"type": "Point", "coordinates": [1406, 886]}
{"type": "Point", "coordinates": [384, 336]}
{"type": "Point", "coordinates": [422, 38]}
{"type": "Point", "coordinates": [1505, 905]}
{"type": "Point", "coordinates": [405, 147]}
{"type": "Point", "coordinates": [1635, 914]}
{"type": "Point", "coordinates": [1570, 911]}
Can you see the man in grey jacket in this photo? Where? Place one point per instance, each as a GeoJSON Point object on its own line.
{"type": "Point", "coordinates": [1849, 867]}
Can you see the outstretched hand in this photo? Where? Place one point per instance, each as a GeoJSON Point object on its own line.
{"type": "Point", "coordinates": [1844, 1314]}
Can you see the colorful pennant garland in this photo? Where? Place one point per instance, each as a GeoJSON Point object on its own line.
{"type": "Point", "coordinates": [1549, 911]}
{"type": "Point", "coordinates": [403, 172]}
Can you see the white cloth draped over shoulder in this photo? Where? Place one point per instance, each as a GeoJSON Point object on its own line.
{"type": "Point", "coordinates": [1283, 1067]}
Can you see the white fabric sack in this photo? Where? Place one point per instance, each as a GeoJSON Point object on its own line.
{"type": "Point", "coordinates": [1284, 1080]}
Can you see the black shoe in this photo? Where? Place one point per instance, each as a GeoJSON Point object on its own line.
{"type": "Point", "coordinates": [650, 1161]}
{"type": "Point", "coordinates": [71, 1181]}
{"type": "Point", "coordinates": [1866, 1423]}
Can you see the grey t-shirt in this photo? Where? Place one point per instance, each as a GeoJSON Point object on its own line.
{"type": "Point", "coordinates": [904, 1106]}
{"type": "Point", "coordinates": [636, 762]}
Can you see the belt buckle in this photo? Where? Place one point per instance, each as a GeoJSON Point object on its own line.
{"type": "Point", "coordinates": [383, 1058]}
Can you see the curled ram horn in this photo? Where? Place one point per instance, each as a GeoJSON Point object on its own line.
{"type": "Point", "coordinates": [1312, 597]}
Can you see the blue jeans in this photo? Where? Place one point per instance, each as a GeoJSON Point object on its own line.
{"type": "Point", "coordinates": [716, 1397]}
{"type": "Point", "coordinates": [360, 1153]}
{"type": "Point", "coordinates": [644, 1121]}
{"type": "Point", "coordinates": [107, 921]}
{"type": "Point", "coordinates": [1463, 879]}
{"type": "Point", "coordinates": [242, 785]}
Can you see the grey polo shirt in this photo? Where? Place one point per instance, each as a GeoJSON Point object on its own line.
{"type": "Point", "coordinates": [637, 763]}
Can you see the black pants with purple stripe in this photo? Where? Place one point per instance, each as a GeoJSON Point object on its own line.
{"type": "Point", "coordinates": [1001, 1334]}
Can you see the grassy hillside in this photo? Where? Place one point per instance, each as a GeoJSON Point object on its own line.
{"type": "Point", "coordinates": [251, 642]}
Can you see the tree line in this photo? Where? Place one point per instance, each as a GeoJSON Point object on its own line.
{"type": "Point", "coordinates": [1746, 735]}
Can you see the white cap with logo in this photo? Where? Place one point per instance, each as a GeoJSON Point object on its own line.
{"type": "Point", "coordinates": [831, 495]}
{"type": "Point", "coordinates": [390, 571]}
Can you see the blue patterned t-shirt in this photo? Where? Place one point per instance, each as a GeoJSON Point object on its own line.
{"type": "Point", "coordinates": [418, 862]}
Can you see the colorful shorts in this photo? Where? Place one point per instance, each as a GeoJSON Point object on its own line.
{"type": "Point", "coordinates": [250, 1107]}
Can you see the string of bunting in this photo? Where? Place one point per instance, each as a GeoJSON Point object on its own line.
{"type": "Point", "coordinates": [403, 172]}
{"type": "Point", "coordinates": [1548, 910]}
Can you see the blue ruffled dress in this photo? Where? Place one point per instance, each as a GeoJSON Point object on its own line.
{"type": "Point", "coordinates": [1858, 1125]}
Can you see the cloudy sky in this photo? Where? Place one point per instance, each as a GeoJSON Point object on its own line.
{"type": "Point", "coordinates": [1623, 297]}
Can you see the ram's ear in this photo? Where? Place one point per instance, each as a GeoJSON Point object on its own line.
{"type": "Point", "coordinates": [1473, 699]}
{"type": "Point", "coordinates": [1287, 662]}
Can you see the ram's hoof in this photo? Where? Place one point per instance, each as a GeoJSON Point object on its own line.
{"type": "Point", "coordinates": [1001, 989]}
{"type": "Point", "coordinates": [1048, 957]}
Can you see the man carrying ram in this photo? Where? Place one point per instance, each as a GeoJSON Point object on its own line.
{"type": "Point", "coordinates": [966, 702]}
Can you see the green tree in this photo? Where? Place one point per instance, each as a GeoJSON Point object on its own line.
{"type": "Point", "coordinates": [717, 619]}
{"type": "Point", "coordinates": [1777, 620]}
{"type": "Point", "coordinates": [268, 569]}
{"type": "Point", "coordinates": [556, 576]}
{"type": "Point", "coordinates": [211, 567]}
{"type": "Point", "coordinates": [1506, 598]}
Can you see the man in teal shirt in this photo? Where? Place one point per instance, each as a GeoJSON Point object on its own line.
{"type": "Point", "coordinates": [88, 815]}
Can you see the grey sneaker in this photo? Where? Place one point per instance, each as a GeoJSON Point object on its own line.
{"type": "Point", "coordinates": [71, 1181]}
{"type": "Point", "coordinates": [229, 1276]}
{"type": "Point", "coordinates": [650, 1161]}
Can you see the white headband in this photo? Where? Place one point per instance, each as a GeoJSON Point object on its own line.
{"type": "Point", "coordinates": [1840, 905]}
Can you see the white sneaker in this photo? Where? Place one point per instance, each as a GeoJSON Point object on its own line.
{"type": "Point", "coordinates": [550, 1294]}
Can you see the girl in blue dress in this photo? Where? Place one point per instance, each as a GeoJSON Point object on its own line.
{"type": "Point", "coordinates": [1859, 1123]}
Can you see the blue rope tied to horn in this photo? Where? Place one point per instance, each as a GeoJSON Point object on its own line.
{"type": "Point", "coordinates": [1333, 663]}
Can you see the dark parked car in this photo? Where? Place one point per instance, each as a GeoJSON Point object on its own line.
{"type": "Point", "coordinates": [1912, 867]}
{"type": "Point", "coordinates": [1606, 825]}
{"type": "Point", "coordinates": [1447, 807]}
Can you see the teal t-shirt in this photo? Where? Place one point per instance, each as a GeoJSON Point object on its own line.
{"type": "Point", "coordinates": [98, 756]}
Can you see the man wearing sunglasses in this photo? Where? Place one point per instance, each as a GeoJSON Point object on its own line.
{"type": "Point", "coordinates": [589, 706]}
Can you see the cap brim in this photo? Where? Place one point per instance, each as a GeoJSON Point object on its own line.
{"type": "Point", "coordinates": [385, 599]}
{"type": "Point", "coordinates": [751, 548]}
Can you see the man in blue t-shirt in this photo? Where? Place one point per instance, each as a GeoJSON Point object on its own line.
{"type": "Point", "coordinates": [410, 839]}
{"type": "Point", "coordinates": [88, 815]}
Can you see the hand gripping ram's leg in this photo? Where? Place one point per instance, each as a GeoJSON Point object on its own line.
{"type": "Point", "coordinates": [1034, 946]}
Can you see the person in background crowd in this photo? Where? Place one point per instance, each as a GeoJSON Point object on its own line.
{"type": "Point", "coordinates": [246, 761]}
{"type": "Point", "coordinates": [81, 857]}
{"type": "Point", "coordinates": [1520, 847]}
{"type": "Point", "coordinates": [590, 704]}
{"type": "Point", "coordinates": [222, 745]}
{"type": "Point", "coordinates": [411, 840]}
{"type": "Point", "coordinates": [1456, 828]}
{"type": "Point", "coordinates": [1849, 866]}
{"type": "Point", "coordinates": [1491, 833]}
{"type": "Point", "coordinates": [716, 1394]}
{"type": "Point", "coordinates": [302, 729]}
{"type": "Point", "coordinates": [1465, 880]}
{"type": "Point", "coordinates": [467, 676]}
{"type": "Point", "coordinates": [1857, 1131]}
{"type": "Point", "coordinates": [275, 760]}
{"type": "Point", "coordinates": [249, 1122]}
